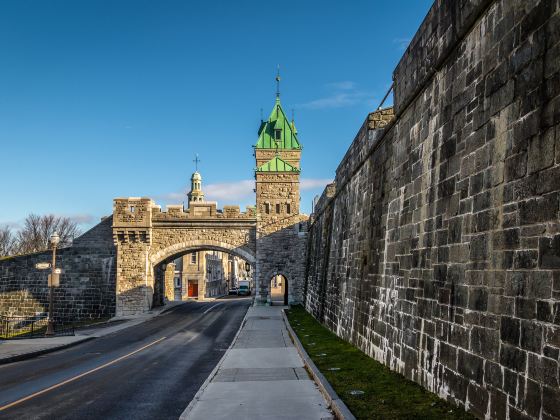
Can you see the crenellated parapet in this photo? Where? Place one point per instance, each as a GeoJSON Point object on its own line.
{"type": "Point", "coordinates": [201, 210]}
{"type": "Point", "coordinates": [132, 220]}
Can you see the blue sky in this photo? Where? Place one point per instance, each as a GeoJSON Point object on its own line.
{"type": "Point", "coordinates": [109, 98]}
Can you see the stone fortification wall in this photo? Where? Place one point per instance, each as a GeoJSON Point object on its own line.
{"type": "Point", "coordinates": [437, 249]}
{"type": "Point", "coordinates": [87, 283]}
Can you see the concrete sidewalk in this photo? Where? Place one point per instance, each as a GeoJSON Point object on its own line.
{"type": "Point", "coordinates": [261, 376]}
{"type": "Point", "coordinates": [21, 349]}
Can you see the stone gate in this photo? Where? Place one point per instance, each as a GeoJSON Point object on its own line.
{"type": "Point", "coordinates": [146, 236]}
{"type": "Point", "coordinates": [270, 236]}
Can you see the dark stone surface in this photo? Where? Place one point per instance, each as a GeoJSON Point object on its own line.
{"type": "Point", "coordinates": [87, 282]}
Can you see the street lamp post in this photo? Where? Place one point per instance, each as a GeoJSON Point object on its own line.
{"type": "Point", "coordinates": [54, 239]}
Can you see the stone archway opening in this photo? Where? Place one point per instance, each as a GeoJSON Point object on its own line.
{"type": "Point", "coordinates": [279, 290]}
{"type": "Point", "coordinates": [199, 273]}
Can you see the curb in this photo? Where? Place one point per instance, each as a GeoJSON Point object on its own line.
{"type": "Point", "coordinates": [340, 409]}
{"type": "Point", "coordinates": [196, 398]}
{"type": "Point", "coordinates": [32, 354]}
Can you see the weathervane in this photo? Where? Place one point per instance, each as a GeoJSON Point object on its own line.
{"type": "Point", "coordinates": [278, 81]}
{"type": "Point", "coordinates": [196, 161]}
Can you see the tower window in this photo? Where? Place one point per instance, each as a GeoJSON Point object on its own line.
{"type": "Point", "coordinates": [277, 208]}
{"type": "Point", "coordinates": [288, 208]}
{"type": "Point", "coordinates": [267, 208]}
{"type": "Point", "coordinates": [193, 258]}
{"type": "Point", "coordinates": [132, 209]}
{"type": "Point", "coordinates": [277, 134]}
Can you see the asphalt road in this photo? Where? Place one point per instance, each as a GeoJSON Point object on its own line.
{"type": "Point", "coordinates": [150, 371]}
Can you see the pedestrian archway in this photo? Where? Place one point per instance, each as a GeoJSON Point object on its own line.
{"type": "Point", "coordinates": [279, 290]}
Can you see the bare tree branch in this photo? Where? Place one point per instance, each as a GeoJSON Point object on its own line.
{"type": "Point", "coordinates": [7, 241]}
{"type": "Point", "coordinates": [35, 234]}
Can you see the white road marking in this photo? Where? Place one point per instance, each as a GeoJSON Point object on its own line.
{"type": "Point", "coordinates": [211, 307]}
{"type": "Point", "coordinates": [81, 375]}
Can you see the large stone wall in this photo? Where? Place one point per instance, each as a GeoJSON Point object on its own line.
{"type": "Point", "coordinates": [87, 283]}
{"type": "Point", "coordinates": [437, 249]}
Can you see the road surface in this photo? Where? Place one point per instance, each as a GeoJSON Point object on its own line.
{"type": "Point", "coordinates": [150, 371]}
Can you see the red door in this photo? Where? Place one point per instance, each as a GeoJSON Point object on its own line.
{"type": "Point", "coordinates": [193, 289]}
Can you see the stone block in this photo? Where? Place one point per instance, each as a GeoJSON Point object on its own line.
{"type": "Point", "coordinates": [479, 247]}
{"type": "Point", "coordinates": [515, 167]}
{"type": "Point", "coordinates": [513, 358]}
{"type": "Point", "coordinates": [549, 252]}
{"type": "Point", "coordinates": [525, 259]}
{"type": "Point", "coordinates": [551, 401]}
{"type": "Point", "coordinates": [510, 330]}
{"type": "Point", "coordinates": [478, 400]}
{"type": "Point", "coordinates": [531, 336]}
{"type": "Point", "coordinates": [537, 210]}
{"type": "Point", "coordinates": [541, 152]}
{"type": "Point", "coordinates": [485, 342]}
{"type": "Point", "coordinates": [506, 239]}
{"type": "Point", "coordinates": [478, 299]}
{"type": "Point", "coordinates": [470, 366]}
{"type": "Point", "coordinates": [525, 308]}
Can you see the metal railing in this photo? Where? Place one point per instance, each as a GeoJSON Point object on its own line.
{"type": "Point", "coordinates": [18, 327]}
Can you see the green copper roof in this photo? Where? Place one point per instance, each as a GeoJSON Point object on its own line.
{"type": "Point", "coordinates": [277, 121]}
{"type": "Point", "coordinates": [277, 165]}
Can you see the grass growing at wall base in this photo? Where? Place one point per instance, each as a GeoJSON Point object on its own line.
{"type": "Point", "coordinates": [387, 394]}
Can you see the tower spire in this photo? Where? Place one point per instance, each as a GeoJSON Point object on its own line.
{"type": "Point", "coordinates": [278, 82]}
{"type": "Point", "coordinates": [196, 160]}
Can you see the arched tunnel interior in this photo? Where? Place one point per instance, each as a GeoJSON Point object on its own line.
{"type": "Point", "coordinates": [200, 274]}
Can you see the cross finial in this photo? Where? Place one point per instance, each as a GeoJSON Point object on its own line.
{"type": "Point", "coordinates": [278, 82]}
{"type": "Point", "coordinates": [196, 161]}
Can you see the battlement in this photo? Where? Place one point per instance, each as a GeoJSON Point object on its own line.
{"type": "Point", "coordinates": [132, 212]}
{"type": "Point", "coordinates": [139, 213]}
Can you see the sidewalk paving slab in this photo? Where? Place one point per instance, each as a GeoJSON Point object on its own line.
{"type": "Point", "coordinates": [261, 376]}
{"type": "Point", "coordinates": [21, 349]}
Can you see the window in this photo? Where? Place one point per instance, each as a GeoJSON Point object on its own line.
{"type": "Point", "coordinates": [288, 208]}
{"type": "Point", "coordinates": [267, 208]}
{"type": "Point", "coordinates": [277, 208]}
{"type": "Point", "coordinates": [177, 281]}
{"type": "Point", "coordinates": [277, 134]}
{"type": "Point", "coordinates": [193, 258]}
{"type": "Point", "coordinates": [132, 209]}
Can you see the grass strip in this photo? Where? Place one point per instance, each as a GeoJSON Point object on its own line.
{"type": "Point", "coordinates": [387, 394]}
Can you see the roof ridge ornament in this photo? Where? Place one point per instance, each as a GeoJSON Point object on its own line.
{"type": "Point", "coordinates": [196, 161]}
{"type": "Point", "coordinates": [278, 83]}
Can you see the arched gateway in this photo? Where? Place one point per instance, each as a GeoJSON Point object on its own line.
{"type": "Point", "coordinates": [270, 236]}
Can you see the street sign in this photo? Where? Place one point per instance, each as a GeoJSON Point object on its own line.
{"type": "Point", "coordinates": [42, 265]}
{"type": "Point", "coordinates": [58, 270]}
{"type": "Point", "coordinates": [54, 280]}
